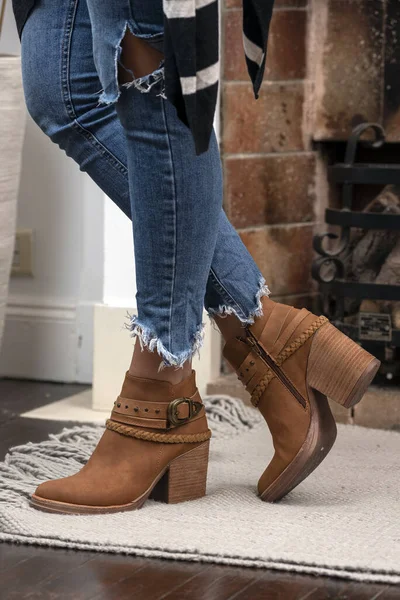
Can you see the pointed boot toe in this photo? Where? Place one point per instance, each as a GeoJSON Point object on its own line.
{"type": "Point", "coordinates": [52, 495]}
{"type": "Point", "coordinates": [50, 490]}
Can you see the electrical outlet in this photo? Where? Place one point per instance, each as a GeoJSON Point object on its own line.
{"type": "Point", "coordinates": [22, 259]}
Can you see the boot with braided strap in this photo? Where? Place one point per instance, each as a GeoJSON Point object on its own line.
{"type": "Point", "coordinates": [155, 445]}
{"type": "Point", "coordinates": [291, 361]}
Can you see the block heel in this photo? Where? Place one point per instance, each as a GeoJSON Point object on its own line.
{"type": "Point", "coordinates": [185, 478]}
{"type": "Point", "coordinates": [339, 368]}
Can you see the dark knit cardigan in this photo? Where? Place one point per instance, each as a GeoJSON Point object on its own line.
{"type": "Point", "coordinates": [191, 50]}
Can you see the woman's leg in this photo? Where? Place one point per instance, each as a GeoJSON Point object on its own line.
{"type": "Point", "coordinates": [156, 441]}
{"type": "Point", "coordinates": [176, 200]}
{"type": "Point", "coordinates": [139, 59]}
{"type": "Point", "coordinates": [62, 96]}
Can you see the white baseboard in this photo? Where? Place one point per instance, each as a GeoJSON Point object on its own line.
{"type": "Point", "coordinates": [47, 341]}
{"type": "Point", "coordinates": [113, 347]}
{"type": "Point", "coordinates": [84, 344]}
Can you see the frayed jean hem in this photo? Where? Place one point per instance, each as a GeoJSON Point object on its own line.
{"type": "Point", "coordinates": [148, 339]}
{"type": "Point", "coordinates": [224, 310]}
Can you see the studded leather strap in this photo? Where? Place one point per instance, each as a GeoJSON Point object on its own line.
{"type": "Point", "coordinates": [157, 415]}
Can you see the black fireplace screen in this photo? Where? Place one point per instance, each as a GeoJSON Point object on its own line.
{"type": "Point", "coordinates": [358, 269]}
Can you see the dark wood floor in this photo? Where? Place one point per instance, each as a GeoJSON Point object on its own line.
{"type": "Point", "coordinates": [36, 573]}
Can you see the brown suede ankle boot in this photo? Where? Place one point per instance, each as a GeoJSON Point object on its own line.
{"type": "Point", "coordinates": [290, 361]}
{"type": "Point", "coordinates": [155, 445]}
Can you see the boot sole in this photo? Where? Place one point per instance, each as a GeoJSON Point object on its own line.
{"type": "Point", "coordinates": [320, 438]}
{"type": "Point", "coordinates": [342, 370]}
{"type": "Point", "coordinates": [183, 479]}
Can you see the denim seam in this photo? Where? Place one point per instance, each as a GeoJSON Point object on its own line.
{"type": "Point", "coordinates": [67, 97]}
{"type": "Point", "coordinates": [174, 196]}
{"type": "Point", "coordinates": [225, 294]}
{"type": "Point", "coordinates": [136, 24]}
{"type": "Point", "coordinates": [112, 159]}
{"type": "Point", "coordinates": [65, 61]}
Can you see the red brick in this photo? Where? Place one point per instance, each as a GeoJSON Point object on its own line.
{"type": "Point", "coordinates": [284, 255]}
{"type": "Point", "coordinates": [286, 52]}
{"type": "Point", "coordinates": [270, 190]}
{"type": "Point", "coordinates": [272, 123]}
{"type": "Point", "coordinates": [348, 50]}
{"type": "Point", "coordinates": [233, 53]}
{"type": "Point", "coordinates": [286, 46]}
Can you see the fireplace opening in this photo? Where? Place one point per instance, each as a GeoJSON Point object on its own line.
{"type": "Point", "coordinates": [358, 264]}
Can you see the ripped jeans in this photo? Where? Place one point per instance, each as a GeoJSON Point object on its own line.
{"type": "Point", "coordinates": [129, 140]}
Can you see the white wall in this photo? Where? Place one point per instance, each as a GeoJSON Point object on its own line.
{"type": "Point", "coordinates": [51, 203]}
{"type": "Point", "coordinates": [119, 269]}
{"type": "Point", "coordinates": [9, 42]}
{"type": "Point", "coordinates": [48, 333]}
{"type": "Point", "coordinates": [49, 323]}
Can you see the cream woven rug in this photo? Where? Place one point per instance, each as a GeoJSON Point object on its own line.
{"type": "Point", "coordinates": [344, 520]}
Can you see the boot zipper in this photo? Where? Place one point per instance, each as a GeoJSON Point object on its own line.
{"type": "Point", "coordinates": [278, 372]}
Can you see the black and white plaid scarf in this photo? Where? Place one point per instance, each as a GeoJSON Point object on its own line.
{"type": "Point", "coordinates": [192, 66]}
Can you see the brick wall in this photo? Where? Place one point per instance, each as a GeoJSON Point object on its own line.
{"type": "Point", "coordinates": [331, 64]}
{"type": "Point", "coordinates": [355, 62]}
{"type": "Point", "coordinates": [269, 168]}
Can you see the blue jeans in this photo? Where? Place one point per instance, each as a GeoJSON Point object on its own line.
{"type": "Point", "coordinates": [129, 140]}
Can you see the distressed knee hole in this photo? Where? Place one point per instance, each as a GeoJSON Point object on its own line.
{"type": "Point", "coordinates": [139, 63]}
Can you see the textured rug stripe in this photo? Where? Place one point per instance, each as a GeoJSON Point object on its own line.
{"type": "Point", "coordinates": [343, 521]}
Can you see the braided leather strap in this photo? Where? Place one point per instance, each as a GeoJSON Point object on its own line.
{"type": "Point", "coordinates": [165, 438]}
{"type": "Point", "coordinates": [261, 387]}
{"type": "Point", "coordinates": [301, 340]}
{"type": "Point", "coordinates": [284, 355]}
